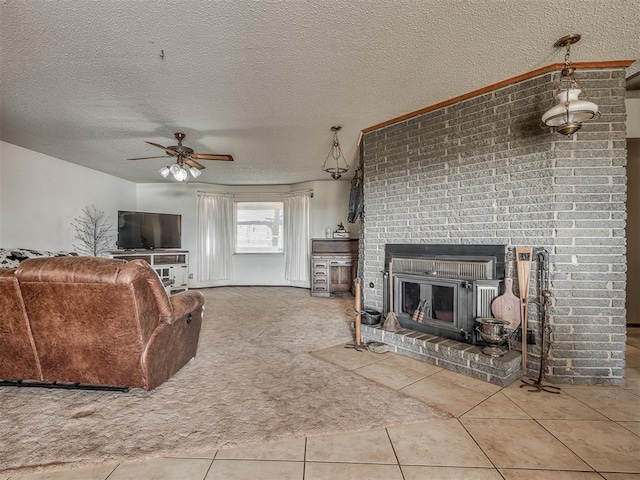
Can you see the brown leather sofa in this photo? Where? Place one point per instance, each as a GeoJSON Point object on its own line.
{"type": "Point", "coordinates": [94, 321]}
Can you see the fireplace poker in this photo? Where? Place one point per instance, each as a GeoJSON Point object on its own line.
{"type": "Point", "coordinates": [523, 260]}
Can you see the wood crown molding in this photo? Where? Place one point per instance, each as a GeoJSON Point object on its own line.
{"type": "Point", "coordinates": [519, 78]}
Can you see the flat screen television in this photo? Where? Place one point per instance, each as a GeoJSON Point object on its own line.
{"type": "Point", "coordinates": [146, 230]}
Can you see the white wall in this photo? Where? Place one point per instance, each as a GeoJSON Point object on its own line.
{"type": "Point", "coordinates": [328, 208]}
{"type": "Point", "coordinates": [41, 195]}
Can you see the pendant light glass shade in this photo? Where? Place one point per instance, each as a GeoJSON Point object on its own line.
{"type": "Point", "coordinates": [164, 171]}
{"type": "Point", "coordinates": [568, 113]}
{"type": "Point", "coordinates": [569, 109]}
{"type": "Point", "coordinates": [181, 174]}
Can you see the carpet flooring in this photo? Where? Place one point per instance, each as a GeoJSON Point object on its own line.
{"type": "Point", "coordinates": [253, 380]}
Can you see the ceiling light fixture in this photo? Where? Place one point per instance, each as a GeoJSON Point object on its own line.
{"type": "Point", "coordinates": [332, 163]}
{"type": "Point", "coordinates": [567, 115]}
{"type": "Point", "coordinates": [180, 171]}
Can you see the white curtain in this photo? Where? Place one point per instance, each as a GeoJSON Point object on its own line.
{"type": "Point", "coordinates": [297, 238]}
{"type": "Point", "coordinates": [215, 237]}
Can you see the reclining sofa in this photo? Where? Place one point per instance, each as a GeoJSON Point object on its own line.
{"type": "Point", "coordinates": [94, 321]}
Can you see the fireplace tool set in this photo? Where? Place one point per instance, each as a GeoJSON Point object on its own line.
{"type": "Point", "coordinates": [513, 312]}
{"type": "Point", "coordinates": [544, 300]}
{"type": "Point", "coordinates": [523, 261]}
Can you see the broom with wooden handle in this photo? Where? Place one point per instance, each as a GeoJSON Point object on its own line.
{"type": "Point", "coordinates": [523, 261]}
{"type": "Point", "coordinates": [391, 323]}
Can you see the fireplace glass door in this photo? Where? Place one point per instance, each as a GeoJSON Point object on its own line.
{"type": "Point", "coordinates": [433, 300]}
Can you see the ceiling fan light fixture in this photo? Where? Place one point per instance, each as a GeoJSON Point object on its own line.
{"type": "Point", "coordinates": [567, 115]}
{"type": "Point", "coordinates": [186, 160]}
{"type": "Point", "coordinates": [195, 173]}
{"type": "Point", "coordinates": [335, 163]}
{"type": "Point", "coordinates": [175, 169]}
{"type": "Point", "coordinates": [180, 174]}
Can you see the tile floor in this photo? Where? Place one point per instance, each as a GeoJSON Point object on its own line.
{"type": "Point", "coordinates": [496, 433]}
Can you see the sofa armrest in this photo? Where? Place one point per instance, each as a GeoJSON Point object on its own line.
{"type": "Point", "coordinates": [184, 303]}
{"type": "Point", "coordinates": [174, 343]}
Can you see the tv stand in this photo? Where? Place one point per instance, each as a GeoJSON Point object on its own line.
{"type": "Point", "coordinates": [172, 266]}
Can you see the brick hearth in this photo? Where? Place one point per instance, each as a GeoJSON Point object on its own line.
{"type": "Point", "coordinates": [450, 354]}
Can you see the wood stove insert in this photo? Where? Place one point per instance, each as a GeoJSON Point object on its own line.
{"type": "Point", "coordinates": [442, 289]}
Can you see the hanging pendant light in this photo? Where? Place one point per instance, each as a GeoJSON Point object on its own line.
{"type": "Point", "coordinates": [567, 115]}
{"type": "Point", "coordinates": [333, 165]}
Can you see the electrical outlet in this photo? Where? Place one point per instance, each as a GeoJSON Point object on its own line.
{"type": "Point", "coordinates": [191, 276]}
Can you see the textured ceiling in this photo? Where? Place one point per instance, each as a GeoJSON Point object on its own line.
{"type": "Point", "coordinates": [84, 81]}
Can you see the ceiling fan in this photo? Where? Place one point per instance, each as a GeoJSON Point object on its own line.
{"type": "Point", "coordinates": [186, 159]}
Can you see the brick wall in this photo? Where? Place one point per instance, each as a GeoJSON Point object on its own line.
{"type": "Point", "coordinates": [483, 171]}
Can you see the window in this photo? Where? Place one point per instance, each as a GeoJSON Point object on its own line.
{"type": "Point", "coordinates": [259, 227]}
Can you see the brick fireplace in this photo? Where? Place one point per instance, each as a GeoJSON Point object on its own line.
{"type": "Point", "coordinates": [482, 171]}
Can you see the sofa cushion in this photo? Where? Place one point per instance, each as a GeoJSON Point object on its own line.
{"type": "Point", "coordinates": [11, 257]}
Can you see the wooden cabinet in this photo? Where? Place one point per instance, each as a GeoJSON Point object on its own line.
{"type": "Point", "coordinates": [172, 266]}
{"type": "Point", "coordinates": [334, 265]}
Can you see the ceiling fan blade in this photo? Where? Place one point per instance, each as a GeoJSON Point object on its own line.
{"type": "Point", "coordinates": [193, 163]}
{"type": "Point", "coordinates": [147, 158]}
{"type": "Point", "coordinates": [211, 156]}
{"type": "Point", "coordinates": [171, 152]}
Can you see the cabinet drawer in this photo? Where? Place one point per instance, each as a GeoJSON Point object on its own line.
{"type": "Point", "coordinates": [166, 259]}
{"type": "Point", "coordinates": [146, 258]}
{"type": "Point", "coordinates": [341, 263]}
{"type": "Point", "coordinates": [317, 264]}
{"type": "Point", "coordinates": [319, 288]}
{"type": "Point", "coordinates": [320, 281]}
{"type": "Point", "coordinates": [320, 273]}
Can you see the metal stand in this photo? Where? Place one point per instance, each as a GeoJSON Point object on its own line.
{"type": "Point", "coordinates": [543, 306]}
{"type": "Point", "coordinates": [65, 386]}
{"type": "Point", "coordinates": [356, 347]}
{"type": "Point", "coordinates": [357, 344]}
{"type": "Point", "coordinates": [494, 351]}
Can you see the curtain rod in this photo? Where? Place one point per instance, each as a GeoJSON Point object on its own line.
{"type": "Point", "coordinates": [250, 194]}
